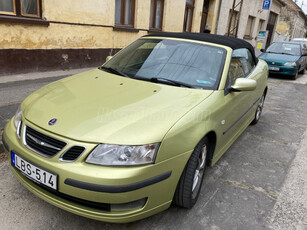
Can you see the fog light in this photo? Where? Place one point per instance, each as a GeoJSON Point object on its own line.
{"type": "Point", "coordinates": [128, 206]}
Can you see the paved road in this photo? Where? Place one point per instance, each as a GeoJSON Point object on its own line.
{"type": "Point", "coordinates": [260, 182]}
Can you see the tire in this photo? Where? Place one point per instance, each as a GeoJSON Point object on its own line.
{"type": "Point", "coordinates": [294, 77]}
{"type": "Point", "coordinates": [258, 110]}
{"type": "Point", "coordinates": [191, 180]}
{"type": "Point", "coordinates": [302, 71]}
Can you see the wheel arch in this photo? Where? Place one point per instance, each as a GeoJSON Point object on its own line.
{"type": "Point", "coordinates": [212, 144]}
{"type": "Point", "coordinates": [265, 91]}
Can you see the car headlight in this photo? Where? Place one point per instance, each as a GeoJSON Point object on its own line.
{"type": "Point", "coordinates": [17, 117]}
{"type": "Point", "coordinates": [121, 155]}
{"type": "Point", "coordinates": [290, 64]}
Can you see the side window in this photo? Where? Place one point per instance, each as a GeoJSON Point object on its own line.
{"type": "Point", "coordinates": [242, 63]}
{"type": "Point", "coordinates": [246, 59]}
{"type": "Point", "coordinates": [236, 70]}
{"type": "Point", "coordinates": [251, 59]}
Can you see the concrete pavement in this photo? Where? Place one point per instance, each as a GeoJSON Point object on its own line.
{"type": "Point", "coordinates": [260, 182]}
{"type": "Point", "coordinates": [290, 210]}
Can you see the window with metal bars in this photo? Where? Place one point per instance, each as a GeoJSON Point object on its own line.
{"type": "Point", "coordinates": [233, 27]}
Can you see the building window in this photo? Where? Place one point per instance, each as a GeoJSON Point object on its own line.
{"type": "Point", "coordinates": [188, 16]}
{"type": "Point", "coordinates": [233, 24]}
{"type": "Point", "coordinates": [249, 27]}
{"type": "Point", "coordinates": [156, 14]}
{"type": "Point", "coordinates": [21, 8]}
{"type": "Point", "coordinates": [261, 25]}
{"type": "Point", "coordinates": [124, 12]}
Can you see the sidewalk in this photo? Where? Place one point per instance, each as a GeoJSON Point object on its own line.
{"type": "Point", "coordinates": [40, 75]}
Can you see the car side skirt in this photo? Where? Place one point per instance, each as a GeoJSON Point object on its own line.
{"type": "Point", "coordinates": [249, 108]}
{"type": "Point", "coordinates": [219, 154]}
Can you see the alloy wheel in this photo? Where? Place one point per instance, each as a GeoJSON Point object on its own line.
{"type": "Point", "coordinates": [259, 108]}
{"type": "Point", "coordinates": [199, 172]}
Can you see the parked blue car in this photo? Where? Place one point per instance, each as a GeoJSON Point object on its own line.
{"type": "Point", "coordinates": [285, 58]}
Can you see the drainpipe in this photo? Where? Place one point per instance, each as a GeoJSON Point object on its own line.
{"type": "Point", "coordinates": [216, 16]}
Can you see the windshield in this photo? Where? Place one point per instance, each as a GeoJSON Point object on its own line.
{"type": "Point", "coordinates": [285, 48]}
{"type": "Point", "coordinates": [197, 65]}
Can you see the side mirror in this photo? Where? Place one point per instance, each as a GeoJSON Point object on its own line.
{"type": "Point", "coordinates": [108, 58]}
{"type": "Point", "coordinates": [305, 54]}
{"type": "Point", "coordinates": [244, 84]}
{"type": "Point", "coordinates": [262, 50]}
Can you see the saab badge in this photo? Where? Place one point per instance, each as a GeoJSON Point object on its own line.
{"type": "Point", "coordinates": [52, 121]}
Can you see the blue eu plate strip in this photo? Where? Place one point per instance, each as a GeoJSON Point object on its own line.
{"type": "Point", "coordinates": [13, 158]}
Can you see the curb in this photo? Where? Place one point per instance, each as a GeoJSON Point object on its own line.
{"type": "Point", "coordinates": [37, 80]}
{"type": "Point", "coordinates": [41, 75]}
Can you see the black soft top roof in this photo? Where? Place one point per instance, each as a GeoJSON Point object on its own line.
{"type": "Point", "coordinates": [234, 43]}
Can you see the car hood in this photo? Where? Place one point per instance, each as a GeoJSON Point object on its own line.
{"type": "Point", "coordinates": [100, 107]}
{"type": "Point", "coordinates": [278, 57]}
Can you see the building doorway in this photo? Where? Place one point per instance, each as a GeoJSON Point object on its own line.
{"type": "Point", "coordinates": [270, 27]}
{"type": "Point", "coordinates": [204, 18]}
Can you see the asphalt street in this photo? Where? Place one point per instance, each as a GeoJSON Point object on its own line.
{"type": "Point", "coordinates": [259, 183]}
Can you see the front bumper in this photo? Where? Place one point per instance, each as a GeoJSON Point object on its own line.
{"type": "Point", "coordinates": [284, 70]}
{"type": "Point", "coordinates": [81, 184]}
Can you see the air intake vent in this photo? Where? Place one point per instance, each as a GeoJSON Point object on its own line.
{"type": "Point", "coordinates": [41, 143]}
{"type": "Point", "coordinates": [73, 153]}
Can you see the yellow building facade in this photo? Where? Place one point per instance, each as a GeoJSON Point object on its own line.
{"type": "Point", "coordinates": [42, 35]}
{"type": "Point", "coordinates": [56, 34]}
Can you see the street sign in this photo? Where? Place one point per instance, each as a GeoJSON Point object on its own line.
{"type": "Point", "coordinates": [266, 4]}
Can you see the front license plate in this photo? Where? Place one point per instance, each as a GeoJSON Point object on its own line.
{"type": "Point", "coordinates": [273, 68]}
{"type": "Point", "coordinates": [33, 172]}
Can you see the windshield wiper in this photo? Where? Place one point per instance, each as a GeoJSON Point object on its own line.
{"type": "Point", "coordinates": [163, 80]}
{"type": "Point", "coordinates": [280, 53]}
{"type": "Point", "coordinates": [271, 52]}
{"type": "Point", "coordinates": [289, 54]}
{"type": "Point", "coordinates": [112, 70]}
{"type": "Point", "coordinates": [172, 82]}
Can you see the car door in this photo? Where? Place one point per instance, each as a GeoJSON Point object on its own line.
{"type": "Point", "coordinates": [237, 104]}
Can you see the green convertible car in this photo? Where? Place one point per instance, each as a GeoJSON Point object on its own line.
{"type": "Point", "coordinates": [126, 140]}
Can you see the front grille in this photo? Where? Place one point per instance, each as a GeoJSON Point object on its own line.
{"type": "Point", "coordinates": [73, 153]}
{"type": "Point", "coordinates": [42, 143]}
